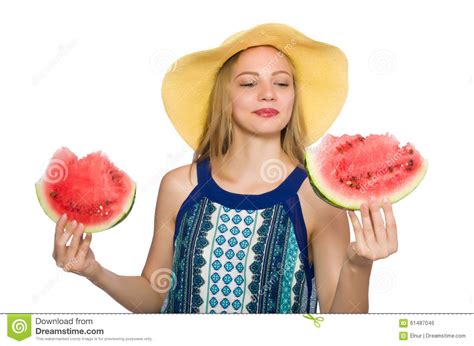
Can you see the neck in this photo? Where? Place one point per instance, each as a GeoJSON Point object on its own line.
{"type": "Point", "coordinates": [256, 158]}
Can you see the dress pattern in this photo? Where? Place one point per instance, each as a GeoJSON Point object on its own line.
{"type": "Point", "coordinates": [236, 253]}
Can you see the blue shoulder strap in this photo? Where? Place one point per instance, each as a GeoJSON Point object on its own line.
{"type": "Point", "coordinates": [300, 177]}
{"type": "Point", "coordinates": [294, 180]}
{"type": "Point", "coordinates": [203, 171]}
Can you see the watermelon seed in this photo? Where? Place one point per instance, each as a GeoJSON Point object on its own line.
{"type": "Point", "coordinates": [107, 202]}
{"type": "Point", "coordinates": [410, 162]}
{"type": "Point", "coordinates": [390, 168]}
{"type": "Point", "coordinates": [340, 180]}
{"type": "Point", "coordinates": [349, 183]}
{"type": "Point", "coordinates": [369, 174]}
{"type": "Point", "coordinates": [411, 151]}
{"type": "Point", "coordinates": [53, 194]}
{"type": "Point", "coordinates": [118, 177]}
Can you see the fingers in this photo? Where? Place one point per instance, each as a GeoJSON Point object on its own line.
{"type": "Point", "coordinates": [380, 240]}
{"type": "Point", "coordinates": [60, 224]}
{"type": "Point", "coordinates": [359, 234]}
{"type": "Point", "coordinates": [76, 239]}
{"type": "Point", "coordinates": [377, 221]}
{"type": "Point", "coordinates": [360, 242]}
{"type": "Point", "coordinates": [367, 226]}
{"type": "Point", "coordinates": [61, 239]}
{"type": "Point", "coordinates": [392, 236]}
{"type": "Point", "coordinates": [84, 247]}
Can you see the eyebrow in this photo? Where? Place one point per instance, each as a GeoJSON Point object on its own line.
{"type": "Point", "coordinates": [256, 74]}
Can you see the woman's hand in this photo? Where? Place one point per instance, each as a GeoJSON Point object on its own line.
{"type": "Point", "coordinates": [374, 240]}
{"type": "Point", "coordinates": [78, 256]}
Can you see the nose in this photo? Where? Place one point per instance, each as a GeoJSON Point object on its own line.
{"type": "Point", "coordinates": [266, 91]}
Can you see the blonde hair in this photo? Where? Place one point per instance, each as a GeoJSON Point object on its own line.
{"type": "Point", "coordinates": [217, 135]}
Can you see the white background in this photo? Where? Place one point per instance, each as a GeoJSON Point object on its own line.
{"type": "Point", "coordinates": [87, 75]}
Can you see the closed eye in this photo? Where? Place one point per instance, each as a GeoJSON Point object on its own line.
{"type": "Point", "coordinates": [252, 84]}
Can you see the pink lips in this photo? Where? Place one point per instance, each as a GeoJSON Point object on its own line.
{"type": "Point", "coordinates": [266, 112]}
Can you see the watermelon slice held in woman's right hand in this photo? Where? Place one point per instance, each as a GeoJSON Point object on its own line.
{"type": "Point", "coordinates": [346, 171]}
{"type": "Point", "coordinates": [91, 190]}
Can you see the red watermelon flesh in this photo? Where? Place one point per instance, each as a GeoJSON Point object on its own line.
{"type": "Point", "coordinates": [346, 171]}
{"type": "Point", "coordinates": [91, 190]}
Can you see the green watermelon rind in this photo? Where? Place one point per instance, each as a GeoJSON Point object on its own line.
{"type": "Point", "coordinates": [102, 227]}
{"type": "Point", "coordinates": [312, 181]}
{"type": "Point", "coordinates": [347, 204]}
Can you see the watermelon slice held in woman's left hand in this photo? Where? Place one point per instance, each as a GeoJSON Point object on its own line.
{"type": "Point", "coordinates": [91, 190]}
{"type": "Point", "coordinates": [346, 171]}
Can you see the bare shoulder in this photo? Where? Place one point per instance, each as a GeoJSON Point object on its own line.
{"type": "Point", "coordinates": [316, 212]}
{"type": "Point", "coordinates": [186, 174]}
{"type": "Point", "coordinates": [328, 239]}
{"type": "Point", "coordinates": [177, 184]}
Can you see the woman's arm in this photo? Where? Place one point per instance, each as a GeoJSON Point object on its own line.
{"type": "Point", "coordinates": [352, 293]}
{"type": "Point", "coordinates": [342, 287]}
{"type": "Point", "coordinates": [146, 293]}
{"type": "Point", "coordinates": [132, 292]}
{"type": "Point", "coordinates": [350, 263]}
{"type": "Point", "coordinates": [329, 241]}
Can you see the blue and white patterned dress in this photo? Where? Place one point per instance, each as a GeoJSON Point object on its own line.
{"type": "Point", "coordinates": [236, 253]}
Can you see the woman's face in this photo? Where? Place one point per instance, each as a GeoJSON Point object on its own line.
{"type": "Point", "coordinates": [261, 79]}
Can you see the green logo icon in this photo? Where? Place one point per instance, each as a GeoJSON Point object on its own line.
{"type": "Point", "coordinates": [403, 323]}
{"type": "Point", "coordinates": [403, 336]}
{"type": "Point", "coordinates": [19, 326]}
{"type": "Point", "coordinates": [316, 320]}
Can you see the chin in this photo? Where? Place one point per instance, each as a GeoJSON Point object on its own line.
{"type": "Point", "coordinates": [265, 131]}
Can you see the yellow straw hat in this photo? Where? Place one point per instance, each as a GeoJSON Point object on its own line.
{"type": "Point", "coordinates": [320, 74]}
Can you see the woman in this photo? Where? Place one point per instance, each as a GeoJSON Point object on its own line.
{"type": "Point", "coordinates": [230, 237]}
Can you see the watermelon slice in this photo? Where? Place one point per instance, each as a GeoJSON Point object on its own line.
{"type": "Point", "coordinates": [91, 190]}
{"type": "Point", "coordinates": [346, 171]}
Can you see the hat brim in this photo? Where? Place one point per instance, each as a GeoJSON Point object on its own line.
{"type": "Point", "coordinates": [321, 72]}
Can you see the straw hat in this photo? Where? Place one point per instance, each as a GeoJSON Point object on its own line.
{"type": "Point", "coordinates": [320, 73]}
